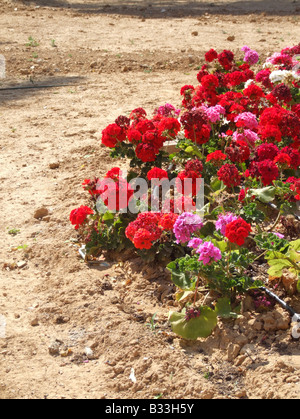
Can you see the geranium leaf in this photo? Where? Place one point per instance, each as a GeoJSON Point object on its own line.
{"type": "Point", "coordinates": [277, 267]}
{"type": "Point", "coordinates": [223, 308]}
{"type": "Point", "coordinates": [199, 327]}
{"type": "Point", "coordinates": [265, 195]}
{"type": "Point", "coordinates": [181, 279]}
{"type": "Point", "coordinates": [295, 245]}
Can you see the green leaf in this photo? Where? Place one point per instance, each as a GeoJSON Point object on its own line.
{"type": "Point", "coordinates": [295, 245]}
{"type": "Point", "coordinates": [208, 229]}
{"type": "Point", "coordinates": [223, 308]}
{"type": "Point", "coordinates": [275, 255]}
{"type": "Point", "coordinates": [298, 286]}
{"type": "Point", "coordinates": [205, 210]}
{"type": "Point", "coordinates": [222, 245]}
{"type": "Point", "coordinates": [194, 150]}
{"type": "Point", "coordinates": [108, 218]}
{"type": "Point", "coordinates": [181, 279]}
{"type": "Point", "coordinates": [189, 149]}
{"type": "Point", "coordinates": [265, 195]}
{"type": "Point", "coordinates": [294, 256]}
{"type": "Point", "coordinates": [199, 327]}
{"type": "Point", "coordinates": [182, 295]}
{"type": "Point", "coordinates": [277, 267]}
{"type": "Point", "coordinates": [216, 185]}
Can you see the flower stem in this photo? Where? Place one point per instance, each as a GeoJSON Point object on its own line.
{"type": "Point", "coordinates": [196, 290]}
{"type": "Point", "coordinates": [229, 256]}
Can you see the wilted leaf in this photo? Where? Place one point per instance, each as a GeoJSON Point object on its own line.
{"type": "Point", "coordinates": [199, 327]}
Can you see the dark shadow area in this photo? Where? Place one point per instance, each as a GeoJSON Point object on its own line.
{"type": "Point", "coordinates": [14, 92]}
{"type": "Point", "coordinates": [176, 8]}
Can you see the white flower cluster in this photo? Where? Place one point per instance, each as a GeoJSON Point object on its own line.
{"type": "Point", "coordinates": [282, 76]}
{"type": "Point", "coordinates": [249, 82]}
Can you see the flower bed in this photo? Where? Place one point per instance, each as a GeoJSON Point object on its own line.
{"type": "Point", "coordinates": [237, 138]}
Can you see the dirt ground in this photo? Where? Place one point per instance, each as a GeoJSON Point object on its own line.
{"type": "Point", "coordinates": [77, 331]}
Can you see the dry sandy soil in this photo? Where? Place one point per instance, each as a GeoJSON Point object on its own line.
{"type": "Point", "coordinates": [112, 57]}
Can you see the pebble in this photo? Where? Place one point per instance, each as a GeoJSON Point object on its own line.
{"type": "Point", "coordinates": [89, 353]}
{"type": "Point", "coordinates": [66, 352]}
{"type": "Point", "coordinates": [240, 394]}
{"type": "Point", "coordinates": [54, 347]}
{"type": "Point", "coordinates": [248, 349]}
{"type": "Point", "coordinates": [34, 322]}
{"type": "Point", "coordinates": [54, 166]}
{"type": "Point", "coordinates": [41, 213]}
{"type": "Point", "coordinates": [21, 264]}
{"type": "Point", "coordinates": [233, 352]}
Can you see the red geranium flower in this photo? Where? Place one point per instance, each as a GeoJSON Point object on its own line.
{"type": "Point", "coordinates": [91, 186]}
{"type": "Point", "coordinates": [142, 239]}
{"type": "Point", "coordinates": [146, 152]}
{"type": "Point", "coordinates": [263, 77]}
{"type": "Point", "coordinates": [114, 190]}
{"type": "Point", "coordinates": [283, 160]}
{"type": "Point", "coordinates": [199, 135]}
{"type": "Point", "coordinates": [254, 92]}
{"type": "Point", "coordinates": [295, 187]}
{"type": "Point", "coordinates": [187, 184]}
{"type": "Point", "coordinates": [123, 121]}
{"type": "Point", "coordinates": [167, 221]}
{"type": "Point", "coordinates": [211, 55]}
{"type": "Point", "coordinates": [138, 113]}
{"type": "Point", "coordinates": [237, 231]}
{"type": "Point", "coordinates": [194, 166]}
{"type": "Point", "coordinates": [112, 135]}
{"type": "Point", "coordinates": [134, 136]}
{"type": "Point", "coordinates": [115, 173]}
{"type": "Point", "coordinates": [144, 230]}
{"type": "Point", "coordinates": [226, 59]}
{"type": "Point", "coordinates": [268, 171]}
{"type": "Point", "coordinates": [229, 175]}
{"type": "Point", "coordinates": [294, 155]}
{"type": "Point", "coordinates": [187, 92]}
{"type": "Point", "coordinates": [144, 125]}
{"type": "Point", "coordinates": [234, 79]}
{"type": "Point", "coordinates": [157, 173]}
{"type": "Point", "coordinates": [210, 82]}
{"type": "Point", "coordinates": [154, 138]}
{"type": "Point", "coordinates": [79, 215]}
{"type": "Point", "coordinates": [216, 158]}
{"type": "Point", "coordinates": [267, 151]}
{"type": "Point", "coordinates": [270, 133]}
{"type": "Point", "coordinates": [238, 151]}
{"type": "Point", "coordinates": [169, 127]}
{"type": "Point", "coordinates": [282, 92]}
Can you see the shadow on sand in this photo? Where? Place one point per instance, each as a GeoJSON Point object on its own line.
{"type": "Point", "coordinates": [13, 92]}
{"type": "Point", "coordinates": [174, 8]}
